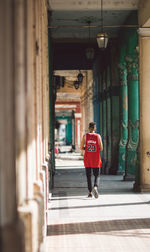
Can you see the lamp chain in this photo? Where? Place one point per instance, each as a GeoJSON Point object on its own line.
{"type": "Point", "coordinates": [102, 15]}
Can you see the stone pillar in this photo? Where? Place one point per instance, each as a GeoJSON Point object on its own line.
{"type": "Point", "coordinates": [11, 228]}
{"type": "Point", "coordinates": [123, 117]}
{"type": "Point", "coordinates": [86, 101]}
{"type": "Point", "coordinates": [133, 117]}
{"type": "Point", "coordinates": [77, 131]}
{"type": "Point", "coordinates": [143, 183]}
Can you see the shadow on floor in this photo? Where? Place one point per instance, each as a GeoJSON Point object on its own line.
{"type": "Point", "coordinates": [72, 182]}
{"type": "Point", "coordinates": [101, 227]}
{"type": "Point", "coordinates": [98, 206]}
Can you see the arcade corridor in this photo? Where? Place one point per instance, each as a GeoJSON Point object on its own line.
{"type": "Point", "coordinates": [64, 64]}
{"type": "Point", "coordinates": [118, 221]}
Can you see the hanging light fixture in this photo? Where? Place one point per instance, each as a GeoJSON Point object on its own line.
{"type": "Point", "coordinates": [90, 50]}
{"type": "Point", "coordinates": [80, 77]}
{"type": "Point", "coordinates": [102, 37]}
{"type": "Point", "coordinates": [76, 84]}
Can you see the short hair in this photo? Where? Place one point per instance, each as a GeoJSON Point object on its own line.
{"type": "Point", "coordinates": [92, 125]}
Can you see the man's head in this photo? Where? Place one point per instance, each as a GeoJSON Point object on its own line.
{"type": "Point", "coordinates": [92, 126]}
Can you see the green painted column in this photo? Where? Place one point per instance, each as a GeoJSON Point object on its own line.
{"type": "Point", "coordinates": [108, 122]}
{"type": "Point", "coordinates": [101, 107]}
{"type": "Point", "coordinates": [123, 116]}
{"type": "Point", "coordinates": [133, 117]}
{"type": "Point", "coordinates": [114, 128]}
{"type": "Point", "coordinates": [104, 125]}
{"type": "Point", "coordinates": [69, 131]}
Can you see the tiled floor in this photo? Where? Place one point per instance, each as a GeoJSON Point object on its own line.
{"type": "Point", "coordinates": [118, 221]}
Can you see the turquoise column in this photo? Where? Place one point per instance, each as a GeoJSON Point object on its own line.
{"type": "Point", "coordinates": [69, 131]}
{"type": "Point", "coordinates": [108, 124]}
{"type": "Point", "coordinates": [133, 117]}
{"type": "Point", "coordinates": [123, 116]}
{"type": "Point", "coordinates": [104, 125]}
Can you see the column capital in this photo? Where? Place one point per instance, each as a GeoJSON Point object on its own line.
{"type": "Point", "coordinates": [144, 32]}
{"type": "Point", "coordinates": [123, 73]}
{"type": "Point", "coordinates": [132, 66]}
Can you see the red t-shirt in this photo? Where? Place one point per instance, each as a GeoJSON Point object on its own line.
{"type": "Point", "coordinates": [92, 153]}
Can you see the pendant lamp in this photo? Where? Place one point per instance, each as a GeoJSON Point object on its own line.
{"type": "Point", "coordinates": [102, 37]}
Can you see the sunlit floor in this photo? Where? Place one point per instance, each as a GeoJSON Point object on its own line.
{"type": "Point", "coordinates": [118, 221]}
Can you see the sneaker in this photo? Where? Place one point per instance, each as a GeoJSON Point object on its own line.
{"type": "Point", "coordinates": [90, 195]}
{"type": "Point", "coordinates": [95, 192]}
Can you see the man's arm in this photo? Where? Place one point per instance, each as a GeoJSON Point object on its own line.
{"type": "Point", "coordinates": [100, 143]}
{"type": "Point", "coordinates": [82, 143]}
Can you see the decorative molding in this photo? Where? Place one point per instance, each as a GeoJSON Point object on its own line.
{"type": "Point", "coordinates": [144, 32]}
{"type": "Point", "coordinates": [123, 73]}
{"type": "Point", "coordinates": [124, 126]}
{"type": "Point", "coordinates": [132, 67]}
{"type": "Point", "coordinates": [57, 106]}
{"type": "Point", "coordinates": [133, 144]}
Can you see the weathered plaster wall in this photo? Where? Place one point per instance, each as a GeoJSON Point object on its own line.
{"type": "Point", "coordinates": [144, 14]}
{"type": "Point", "coordinates": [24, 128]}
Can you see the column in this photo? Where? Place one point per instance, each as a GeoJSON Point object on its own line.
{"type": "Point", "coordinates": [123, 117]}
{"type": "Point", "coordinates": [101, 110]}
{"type": "Point", "coordinates": [11, 227]}
{"type": "Point", "coordinates": [108, 114]}
{"type": "Point", "coordinates": [133, 117]}
{"type": "Point", "coordinates": [73, 131]}
{"type": "Point", "coordinates": [97, 105]}
{"type": "Point", "coordinates": [77, 131]}
{"type": "Point", "coordinates": [101, 107]}
{"type": "Point", "coordinates": [143, 182]}
{"type": "Point", "coordinates": [114, 107]}
{"type": "Point", "coordinates": [104, 125]}
{"type": "Point", "coordinates": [52, 98]}
{"type": "Point", "coordinates": [95, 100]}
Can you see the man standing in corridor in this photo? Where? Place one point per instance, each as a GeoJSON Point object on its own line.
{"type": "Point", "coordinates": [92, 144]}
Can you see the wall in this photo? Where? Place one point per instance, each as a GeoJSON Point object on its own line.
{"type": "Point", "coordinates": [24, 130]}
{"type": "Point", "coordinates": [143, 13]}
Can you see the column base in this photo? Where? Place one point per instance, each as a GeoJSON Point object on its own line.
{"type": "Point", "coordinates": [108, 167]}
{"type": "Point", "coordinates": [128, 177]}
{"type": "Point", "coordinates": [120, 173]}
{"type": "Point", "coordinates": [141, 188]}
{"type": "Point", "coordinates": [12, 237]}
